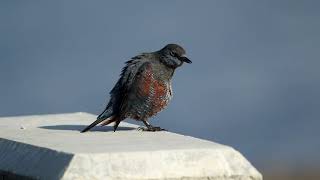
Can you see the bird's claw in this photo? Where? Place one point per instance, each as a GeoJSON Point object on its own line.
{"type": "Point", "coordinates": [150, 128]}
{"type": "Point", "coordinates": [155, 129]}
{"type": "Point", "coordinates": [141, 129]}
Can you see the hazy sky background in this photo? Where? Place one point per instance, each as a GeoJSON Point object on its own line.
{"type": "Point", "coordinates": [254, 83]}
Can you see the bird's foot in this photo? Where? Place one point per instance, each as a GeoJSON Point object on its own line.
{"type": "Point", "coordinates": [150, 128]}
{"type": "Point", "coordinates": [153, 129]}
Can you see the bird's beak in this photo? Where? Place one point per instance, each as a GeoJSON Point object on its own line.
{"type": "Point", "coordinates": [185, 59]}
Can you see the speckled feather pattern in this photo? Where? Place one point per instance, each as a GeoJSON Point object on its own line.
{"type": "Point", "coordinates": [149, 94]}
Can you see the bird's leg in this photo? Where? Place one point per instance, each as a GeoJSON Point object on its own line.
{"type": "Point", "coordinates": [150, 127]}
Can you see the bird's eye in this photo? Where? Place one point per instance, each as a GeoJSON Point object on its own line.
{"type": "Point", "coordinates": [173, 54]}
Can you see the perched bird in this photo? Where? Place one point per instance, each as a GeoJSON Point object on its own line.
{"type": "Point", "coordinates": [144, 87]}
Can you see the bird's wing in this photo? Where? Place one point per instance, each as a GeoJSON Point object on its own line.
{"type": "Point", "coordinates": [119, 94]}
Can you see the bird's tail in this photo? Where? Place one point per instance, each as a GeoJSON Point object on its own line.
{"type": "Point", "coordinates": [107, 114]}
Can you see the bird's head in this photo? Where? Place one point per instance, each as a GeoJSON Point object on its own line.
{"type": "Point", "coordinates": [173, 55]}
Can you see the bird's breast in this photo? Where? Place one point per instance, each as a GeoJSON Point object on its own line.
{"type": "Point", "coordinates": [152, 94]}
{"type": "Point", "coordinates": [160, 96]}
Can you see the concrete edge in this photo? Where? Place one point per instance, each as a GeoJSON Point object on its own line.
{"type": "Point", "coordinates": [27, 161]}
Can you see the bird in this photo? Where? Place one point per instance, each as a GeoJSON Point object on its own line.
{"type": "Point", "coordinates": [144, 87]}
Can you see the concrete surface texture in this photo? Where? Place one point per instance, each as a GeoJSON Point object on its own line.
{"type": "Point", "coordinates": [51, 147]}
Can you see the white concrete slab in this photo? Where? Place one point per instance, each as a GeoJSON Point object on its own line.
{"type": "Point", "coordinates": [51, 147]}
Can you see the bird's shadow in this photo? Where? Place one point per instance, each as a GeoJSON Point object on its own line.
{"type": "Point", "coordinates": [81, 127]}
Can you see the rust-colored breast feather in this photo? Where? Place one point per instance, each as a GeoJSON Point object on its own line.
{"type": "Point", "coordinates": [152, 94]}
{"type": "Point", "coordinates": [145, 81]}
{"type": "Point", "coordinates": [159, 99]}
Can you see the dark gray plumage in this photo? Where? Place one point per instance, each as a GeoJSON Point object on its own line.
{"type": "Point", "coordinates": [144, 87]}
